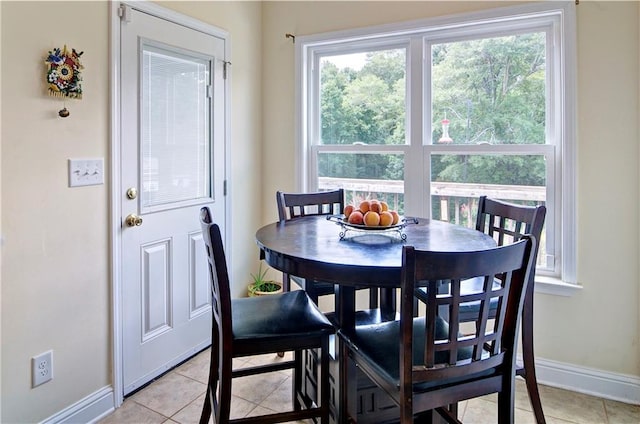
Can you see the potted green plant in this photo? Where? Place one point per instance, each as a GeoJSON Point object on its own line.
{"type": "Point", "coordinates": [261, 285]}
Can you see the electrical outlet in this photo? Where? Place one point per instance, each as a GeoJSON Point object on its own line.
{"type": "Point", "coordinates": [41, 368]}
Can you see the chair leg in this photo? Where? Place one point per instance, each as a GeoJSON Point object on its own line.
{"type": "Point", "coordinates": [406, 409]}
{"type": "Point", "coordinates": [529, 371]}
{"type": "Point", "coordinates": [223, 394]}
{"type": "Point", "coordinates": [220, 386]}
{"type": "Point", "coordinates": [453, 408]}
{"type": "Point", "coordinates": [506, 401]}
{"type": "Point", "coordinates": [286, 286]}
{"type": "Point", "coordinates": [388, 304]}
{"type": "Point", "coordinates": [297, 380]}
{"type": "Point", "coordinates": [373, 299]}
{"type": "Point", "coordinates": [286, 282]}
{"type": "Point", "coordinates": [206, 408]}
{"type": "Point", "coordinates": [217, 401]}
{"type": "Point", "coordinates": [214, 362]}
{"type": "Point", "coordinates": [324, 381]}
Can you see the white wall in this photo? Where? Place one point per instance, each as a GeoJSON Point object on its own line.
{"type": "Point", "coordinates": [597, 328]}
{"type": "Point", "coordinates": [56, 278]}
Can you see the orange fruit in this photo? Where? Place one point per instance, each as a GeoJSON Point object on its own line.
{"type": "Point", "coordinates": [386, 219]}
{"type": "Point", "coordinates": [364, 206]}
{"type": "Point", "coordinates": [356, 217]}
{"type": "Point", "coordinates": [371, 219]}
{"type": "Point", "coordinates": [385, 206]}
{"type": "Point", "coordinates": [396, 217]}
{"type": "Point", "coordinates": [348, 210]}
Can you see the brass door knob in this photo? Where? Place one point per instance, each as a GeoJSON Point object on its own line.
{"type": "Point", "coordinates": [133, 220]}
{"type": "Point", "coordinates": [132, 193]}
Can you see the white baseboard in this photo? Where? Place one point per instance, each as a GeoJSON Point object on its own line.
{"type": "Point", "coordinates": [607, 385]}
{"type": "Point", "coordinates": [88, 410]}
{"type": "Point", "coordinates": [604, 384]}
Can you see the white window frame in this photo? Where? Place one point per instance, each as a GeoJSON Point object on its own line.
{"type": "Point", "coordinates": [417, 36]}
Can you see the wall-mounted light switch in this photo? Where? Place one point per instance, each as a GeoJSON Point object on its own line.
{"type": "Point", "coordinates": [83, 172]}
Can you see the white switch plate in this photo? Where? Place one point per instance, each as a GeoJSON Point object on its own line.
{"type": "Point", "coordinates": [84, 172]}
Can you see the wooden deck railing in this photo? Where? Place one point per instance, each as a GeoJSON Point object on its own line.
{"type": "Point", "coordinates": [505, 192]}
{"type": "Point", "coordinates": [391, 190]}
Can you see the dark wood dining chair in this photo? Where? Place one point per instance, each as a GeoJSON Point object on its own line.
{"type": "Point", "coordinates": [295, 205]}
{"type": "Point", "coordinates": [258, 325]}
{"type": "Point", "coordinates": [506, 223]}
{"type": "Point", "coordinates": [424, 363]}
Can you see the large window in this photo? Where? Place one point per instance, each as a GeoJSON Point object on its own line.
{"type": "Point", "coordinates": [428, 116]}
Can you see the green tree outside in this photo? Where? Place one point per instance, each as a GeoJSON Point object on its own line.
{"type": "Point", "coordinates": [491, 90]}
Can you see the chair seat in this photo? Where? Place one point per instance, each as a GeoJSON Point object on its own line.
{"type": "Point", "coordinates": [378, 344]}
{"type": "Point", "coordinates": [290, 314]}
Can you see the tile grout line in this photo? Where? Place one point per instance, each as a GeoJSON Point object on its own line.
{"type": "Point", "coordinates": [152, 410]}
{"type": "Point", "coordinates": [255, 405]}
{"type": "Point", "coordinates": [609, 412]}
{"type": "Point", "coordinates": [606, 412]}
{"type": "Point", "coordinates": [186, 406]}
{"type": "Point", "coordinates": [189, 402]}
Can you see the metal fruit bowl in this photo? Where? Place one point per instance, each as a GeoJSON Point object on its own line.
{"type": "Point", "coordinates": [372, 229]}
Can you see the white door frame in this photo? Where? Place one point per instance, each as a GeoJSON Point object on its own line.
{"type": "Point", "coordinates": [115, 157]}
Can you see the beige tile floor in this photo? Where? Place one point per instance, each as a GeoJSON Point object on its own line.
{"type": "Point", "coordinates": [177, 397]}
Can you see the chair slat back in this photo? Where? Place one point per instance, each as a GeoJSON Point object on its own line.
{"type": "Point", "coordinates": [448, 353]}
{"type": "Point", "coordinates": [508, 222]}
{"type": "Point", "coordinates": [219, 281]}
{"type": "Point", "coordinates": [292, 205]}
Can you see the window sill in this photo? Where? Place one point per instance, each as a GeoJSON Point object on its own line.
{"type": "Point", "coordinates": [555, 286]}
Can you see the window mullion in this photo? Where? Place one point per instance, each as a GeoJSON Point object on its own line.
{"type": "Point", "coordinates": [414, 161]}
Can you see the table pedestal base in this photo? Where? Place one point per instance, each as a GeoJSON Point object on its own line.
{"type": "Point", "coordinates": [373, 405]}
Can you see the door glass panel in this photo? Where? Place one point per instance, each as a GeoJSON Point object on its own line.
{"type": "Point", "coordinates": [175, 127]}
{"type": "Point", "coordinates": [364, 176]}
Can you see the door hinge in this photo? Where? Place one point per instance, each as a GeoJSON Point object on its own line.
{"type": "Point", "coordinates": [209, 91]}
{"type": "Point", "coordinates": [124, 12]}
{"type": "Point", "coordinates": [224, 188]}
{"type": "Point", "coordinates": [224, 68]}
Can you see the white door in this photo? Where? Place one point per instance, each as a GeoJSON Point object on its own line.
{"type": "Point", "coordinates": [172, 164]}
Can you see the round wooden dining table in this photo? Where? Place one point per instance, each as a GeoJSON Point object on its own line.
{"type": "Point", "coordinates": [322, 248]}
{"type": "Point", "coordinates": [312, 247]}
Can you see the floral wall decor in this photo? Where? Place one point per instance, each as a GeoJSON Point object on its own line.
{"type": "Point", "coordinates": [64, 77]}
